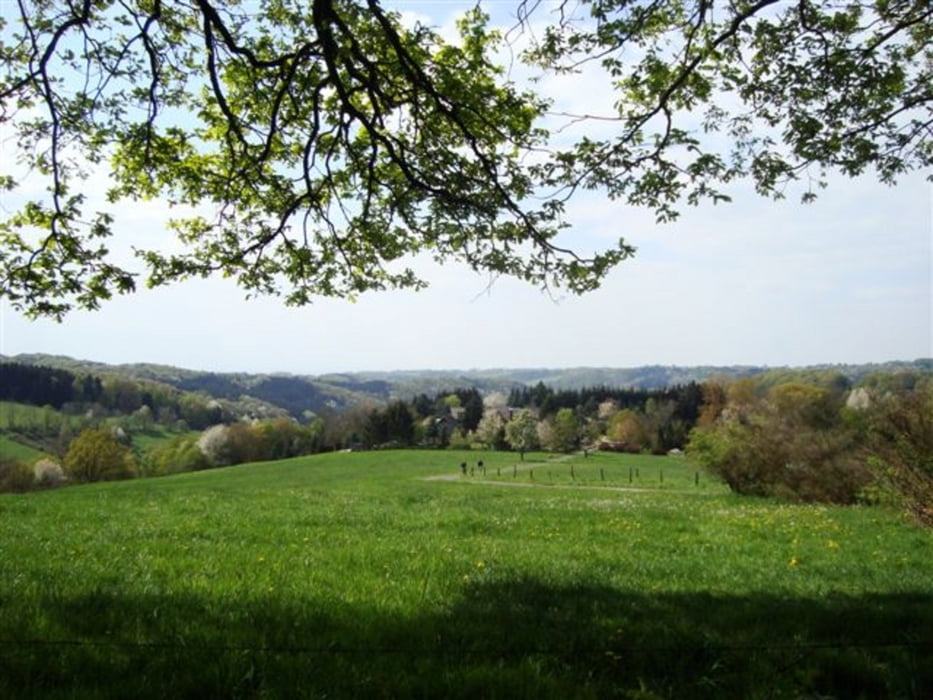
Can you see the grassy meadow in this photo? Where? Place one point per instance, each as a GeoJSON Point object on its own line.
{"type": "Point", "coordinates": [12, 449]}
{"type": "Point", "coordinates": [391, 574]}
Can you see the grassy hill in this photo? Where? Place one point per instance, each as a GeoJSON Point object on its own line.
{"type": "Point", "coordinates": [15, 449]}
{"type": "Point", "coordinates": [389, 574]}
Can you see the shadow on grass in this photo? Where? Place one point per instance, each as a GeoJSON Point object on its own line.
{"type": "Point", "coordinates": [511, 639]}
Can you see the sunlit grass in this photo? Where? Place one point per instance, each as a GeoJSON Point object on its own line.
{"type": "Point", "coordinates": [146, 440]}
{"type": "Point", "coordinates": [364, 574]}
{"type": "Point", "coordinates": [11, 449]}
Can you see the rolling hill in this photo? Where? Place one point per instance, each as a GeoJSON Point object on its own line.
{"type": "Point", "coordinates": [299, 394]}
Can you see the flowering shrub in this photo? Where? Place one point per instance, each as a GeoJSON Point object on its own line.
{"type": "Point", "coordinates": [96, 455]}
{"type": "Point", "coordinates": [14, 476]}
{"type": "Point", "coordinates": [790, 444]}
{"type": "Point", "coordinates": [898, 430]}
{"type": "Point", "coordinates": [47, 473]}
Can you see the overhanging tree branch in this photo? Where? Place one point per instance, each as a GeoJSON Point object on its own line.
{"type": "Point", "coordinates": [325, 145]}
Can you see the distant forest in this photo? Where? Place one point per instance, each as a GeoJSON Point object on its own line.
{"type": "Point", "coordinates": [66, 391]}
{"type": "Point", "coordinates": [46, 386]}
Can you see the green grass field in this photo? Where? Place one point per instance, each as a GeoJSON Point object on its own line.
{"type": "Point", "coordinates": [12, 449]}
{"type": "Point", "coordinates": [389, 574]}
{"type": "Point", "coordinates": [155, 437]}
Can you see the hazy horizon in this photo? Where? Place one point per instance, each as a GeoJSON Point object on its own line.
{"type": "Point", "coordinates": [468, 370]}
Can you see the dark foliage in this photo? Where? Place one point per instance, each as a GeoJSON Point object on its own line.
{"type": "Point", "coordinates": [39, 386]}
{"type": "Point", "coordinates": [15, 477]}
{"type": "Point", "coordinates": [394, 425]}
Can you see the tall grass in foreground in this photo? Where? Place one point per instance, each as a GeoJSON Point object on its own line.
{"type": "Point", "coordinates": [353, 575]}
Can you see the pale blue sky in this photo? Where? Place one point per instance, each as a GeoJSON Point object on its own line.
{"type": "Point", "coordinates": [846, 279]}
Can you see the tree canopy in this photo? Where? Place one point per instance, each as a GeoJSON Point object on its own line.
{"type": "Point", "coordinates": [312, 148]}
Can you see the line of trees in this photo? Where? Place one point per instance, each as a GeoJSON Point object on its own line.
{"type": "Point", "coordinates": [104, 451]}
{"type": "Point", "coordinates": [236, 443]}
{"type": "Point", "coordinates": [631, 419]}
{"type": "Point", "coordinates": [686, 397]}
{"type": "Point", "coordinates": [46, 386]}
